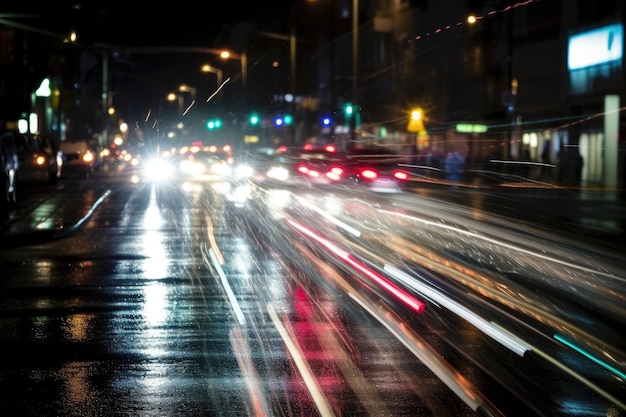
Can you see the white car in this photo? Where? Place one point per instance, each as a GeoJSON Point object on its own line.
{"type": "Point", "coordinates": [79, 158]}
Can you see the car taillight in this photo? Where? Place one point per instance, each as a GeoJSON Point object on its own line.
{"type": "Point", "coordinates": [335, 173]}
{"type": "Point", "coordinates": [401, 175]}
{"type": "Point", "coordinates": [303, 169]}
{"type": "Point", "coordinates": [40, 160]}
{"type": "Point", "coordinates": [88, 157]}
{"type": "Point", "coordinates": [369, 174]}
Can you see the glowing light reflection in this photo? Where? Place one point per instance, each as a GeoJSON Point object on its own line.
{"type": "Point", "coordinates": [408, 299]}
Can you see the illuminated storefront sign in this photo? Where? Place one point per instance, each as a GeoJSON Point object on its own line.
{"type": "Point", "coordinates": [595, 47]}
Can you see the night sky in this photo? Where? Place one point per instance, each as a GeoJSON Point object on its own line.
{"type": "Point", "coordinates": [150, 23]}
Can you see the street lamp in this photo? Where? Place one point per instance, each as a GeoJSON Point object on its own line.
{"type": "Point", "coordinates": [184, 88]}
{"type": "Point", "coordinates": [176, 97]}
{"type": "Point", "coordinates": [218, 72]}
{"type": "Point", "coordinates": [244, 64]}
{"type": "Point", "coordinates": [355, 47]}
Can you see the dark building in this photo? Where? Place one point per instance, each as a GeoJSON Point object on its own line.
{"type": "Point", "coordinates": [496, 88]}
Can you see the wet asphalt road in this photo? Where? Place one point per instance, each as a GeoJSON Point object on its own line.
{"type": "Point", "coordinates": [119, 299]}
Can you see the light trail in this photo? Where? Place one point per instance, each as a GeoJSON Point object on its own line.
{"type": "Point", "coordinates": [402, 295]}
{"type": "Point", "coordinates": [512, 343]}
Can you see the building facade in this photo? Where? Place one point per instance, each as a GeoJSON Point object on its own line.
{"type": "Point", "coordinates": [512, 72]}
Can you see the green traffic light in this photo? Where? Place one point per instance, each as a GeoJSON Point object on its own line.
{"type": "Point", "coordinates": [348, 109]}
{"type": "Point", "coordinates": [254, 120]}
{"type": "Point", "coordinates": [214, 124]}
{"type": "Point", "coordinates": [288, 119]}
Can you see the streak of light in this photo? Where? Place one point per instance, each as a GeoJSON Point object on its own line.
{"type": "Point", "coordinates": [484, 285]}
{"type": "Point", "coordinates": [576, 375]}
{"type": "Point", "coordinates": [590, 356]}
{"type": "Point", "coordinates": [278, 200]}
{"type": "Point", "coordinates": [229, 291]}
{"type": "Point", "coordinates": [347, 288]}
{"type": "Point", "coordinates": [504, 244]}
{"type": "Point", "coordinates": [408, 299]}
{"type": "Point", "coordinates": [511, 343]}
{"type": "Point", "coordinates": [368, 396]}
{"type": "Point", "coordinates": [212, 242]}
{"type": "Point", "coordinates": [330, 218]}
{"type": "Point", "coordinates": [429, 357]}
{"type": "Point", "coordinates": [307, 375]}
{"type": "Point", "coordinates": [189, 107]}
{"type": "Point", "coordinates": [242, 352]}
{"type": "Point", "coordinates": [218, 89]}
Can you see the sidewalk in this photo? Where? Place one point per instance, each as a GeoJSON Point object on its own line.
{"type": "Point", "coordinates": [57, 216]}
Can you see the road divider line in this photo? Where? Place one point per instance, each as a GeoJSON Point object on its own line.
{"type": "Point", "coordinates": [304, 369]}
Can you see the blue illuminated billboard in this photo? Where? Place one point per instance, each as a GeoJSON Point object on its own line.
{"type": "Point", "coordinates": [597, 46]}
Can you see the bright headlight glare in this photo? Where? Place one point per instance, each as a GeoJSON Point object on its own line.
{"type": "Point", "coordinates": [158, 170]}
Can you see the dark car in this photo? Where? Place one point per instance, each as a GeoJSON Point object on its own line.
{"type": "Point", "coordinates": [40, 160]}
{"type": "Point", "coordinates": [8, 172]}
{"type": "Point", "coordinates": [316, 165]}
{"type": "Point", "coordinates": [377, 169]}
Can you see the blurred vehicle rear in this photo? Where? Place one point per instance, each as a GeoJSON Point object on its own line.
{"type": "Point", "coordinates": [8, 173]}
{"type": "Point", "coordinates": [313, 164]}
{"type": "Point", "coordinates": [378, 169]}
{"type": "Point", "coordinates": [40, 160]}
{"type": "Point", "coordinates": [80, 158]}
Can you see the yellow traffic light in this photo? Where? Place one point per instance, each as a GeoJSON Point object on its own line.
{"type": "Point", "coordinates": [416, 122]}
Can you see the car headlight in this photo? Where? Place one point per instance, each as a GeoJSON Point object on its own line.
{"type": "Point", "coordinates": [158, 170]}
{"type": "Point", "coordinates": [278, 173]}
{"type": "Point", "coordinates": [243, 171]}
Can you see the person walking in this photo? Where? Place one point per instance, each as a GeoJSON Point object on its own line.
{"type": "Point", "coordinates": [546, 160]}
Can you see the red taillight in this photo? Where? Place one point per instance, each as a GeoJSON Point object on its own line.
{"type": "Point", "coordinates": [401, 175]}
{"type": "Point", "coordinates": [330, 148]}
{"type": "Point", "coordinates": [369, 174]}
{"type": "Point", "coordinates": [335, 173]}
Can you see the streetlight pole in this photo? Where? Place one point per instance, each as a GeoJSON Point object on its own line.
{"type": "Point", "coordinates": [355, 48]}
{"type": "Point", "coordinates": [183, 88]}
{"type": "Point", "coordinates": [218, 72]}
{"type": "Point", "coordinates": [176, 97]}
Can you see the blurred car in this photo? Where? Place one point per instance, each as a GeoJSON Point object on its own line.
{"type": "Point", "coordinates": [79, 157]}
{"type": "Point", "coordinates": [40, 160]}
{"type": "Point", "coordinates": [204, 166]}
{"type": "Point", "coordinates": [378, 170]}
{"type": "Point", "coordinates": [313, 164]}
{"type": "Point", "coordinates": [8, 172]}
{"type": "Point", "coordinates": [374, 168]}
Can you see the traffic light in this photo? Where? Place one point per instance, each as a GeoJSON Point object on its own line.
{"type": "Point", "coordinates": [254, 119]}
{"type": "Point", "coordinates": [416, 121]}
{"type": "Point", "coordinates": [213, 124]}
{"type": "Point", "coordinates": [285, 120]}
{"type": "Point", "coordinates": [348, 109]}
